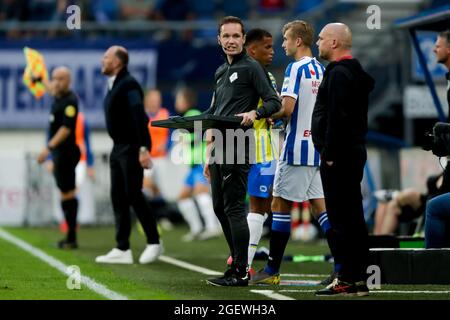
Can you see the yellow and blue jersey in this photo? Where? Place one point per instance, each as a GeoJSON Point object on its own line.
{"type": "Point", "coordinates": [265, 150]}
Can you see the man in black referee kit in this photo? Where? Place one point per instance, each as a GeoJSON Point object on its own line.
{"type": "Point", "coordinates": [64, 150]}
{"type": "Point", "coordinates": [126, 123]}
{"type": "Point", "coordinates": [239, 84]}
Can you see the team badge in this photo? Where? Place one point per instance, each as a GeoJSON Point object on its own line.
{"type": "Point", "coordinates": [70, 111]}
{"type": "Point", "coordinates": [233, 77]}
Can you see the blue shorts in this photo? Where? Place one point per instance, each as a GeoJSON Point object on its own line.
{"type": "Point", "coordinates": [260, 179]}
{"type": "Point", "coordinates": [195, 176]}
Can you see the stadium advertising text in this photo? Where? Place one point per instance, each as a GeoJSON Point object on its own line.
{"type": "Point", "coordinates": [19, 109]}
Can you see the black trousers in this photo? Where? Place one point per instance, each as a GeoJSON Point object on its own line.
{"type": "Point", "coordinates": [126, 191]}
{"type": "Point", "coordinates": [342, 189]}
{"type": "Point", "coordinates": [229, 189]}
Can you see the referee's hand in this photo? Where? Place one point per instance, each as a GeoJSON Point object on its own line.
{"type": "Point", "coordinates": [247, 117]}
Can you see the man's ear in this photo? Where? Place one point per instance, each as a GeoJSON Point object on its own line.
{"type": "Point", "coordinates": [218, 40]}
{"type": "Point", "coordinates": [334, 44]}
{"type": "Point", "coordinates": [250, 49]}
{"type": "Point", "coordinates": [244, 39]}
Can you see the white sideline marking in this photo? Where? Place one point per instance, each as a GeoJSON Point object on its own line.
{"type": "Point", "coordinates": [382, 291]}
{"type": "Point", "coordinates": [303, 275]}
{"type": "Point", "coordinates": [193, 267]}
{"type": "Point", "coordinates": [189, 266]}
{"type": "Point", "coordinates": [55, 263]}
{"type": "Point", "coordinates": [299, 283]}
{"type": "Point", "coordinates": [272, 295]}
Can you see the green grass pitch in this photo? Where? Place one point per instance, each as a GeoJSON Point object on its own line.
{"type": "Point", "coordinates": [23, 276]}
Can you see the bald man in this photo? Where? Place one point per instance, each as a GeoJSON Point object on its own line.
{"type": "Point", "coordinates": [63, 148]}
{"type": "Point", "coordinates": [339, 127]}
{"type": "Point", "coordinates": [126, 123]}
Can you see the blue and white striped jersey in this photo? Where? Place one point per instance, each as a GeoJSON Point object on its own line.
{"type": "Point", "coordinates": [301, 82]}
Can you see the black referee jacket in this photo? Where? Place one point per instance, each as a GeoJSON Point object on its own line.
{"type": "Point", "coordinates": [240, 85]}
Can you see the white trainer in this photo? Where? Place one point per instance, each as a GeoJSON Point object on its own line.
{"type": "Point", "coordinates": [151, 253]}
{"type": "Point", "coordinates": [188, 237]}
{"type": "Point", "coordinates": [116, 256]}
{"type": "Point", "coordinates": [209, 234]}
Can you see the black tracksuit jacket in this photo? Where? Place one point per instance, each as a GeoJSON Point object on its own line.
{"type": "Point", "coordinates": [239, 87]}
{"type": "Point", "coordinates": [339, 120]}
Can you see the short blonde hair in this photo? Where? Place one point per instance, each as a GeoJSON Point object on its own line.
{"type": "Point", "coordinates": [301, 29]}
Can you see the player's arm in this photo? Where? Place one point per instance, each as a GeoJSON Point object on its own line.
{"type": "Point", "coordinates": [289, 94]}
{"type": "Point", "coordinates": [287, 107]}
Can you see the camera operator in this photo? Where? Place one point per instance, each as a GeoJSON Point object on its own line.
{"type": "Point", "coordinates": [437, 224]}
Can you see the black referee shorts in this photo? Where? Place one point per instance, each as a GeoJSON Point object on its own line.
{"type": "Point", "coordinates": [64, 163]}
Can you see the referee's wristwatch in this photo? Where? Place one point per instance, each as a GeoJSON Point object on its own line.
{"type": "Point", "coordinates": [258, 115]}
{"type": "Point", "coordinates": [143, 149]}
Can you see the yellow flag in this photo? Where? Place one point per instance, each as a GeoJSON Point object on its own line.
{"type": "Point", "coordinates": [35, 69]}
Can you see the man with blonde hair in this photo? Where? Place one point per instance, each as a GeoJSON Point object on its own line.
{"type": "Point", "coordinates": [297, 177]}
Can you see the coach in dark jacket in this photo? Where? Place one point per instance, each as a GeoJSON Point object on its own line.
{"type": "Point", "coordinates": [126, 123]}
{"type": "Point", "coordinates": [339, 127]}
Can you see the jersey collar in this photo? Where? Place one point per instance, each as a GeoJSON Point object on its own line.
{"type": "Point", "coordinates": [348, 57]}
{"type": "Point", "coordinates": [237, 57]}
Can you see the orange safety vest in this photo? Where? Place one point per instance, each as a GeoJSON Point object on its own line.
{"type": "Point", "coordinates": [79, 136]}
{"type": "Point", "coordinates": [159, 136]}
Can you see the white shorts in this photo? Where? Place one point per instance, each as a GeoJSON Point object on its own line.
{"type": "Point", "coordinates": [297, 183]}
